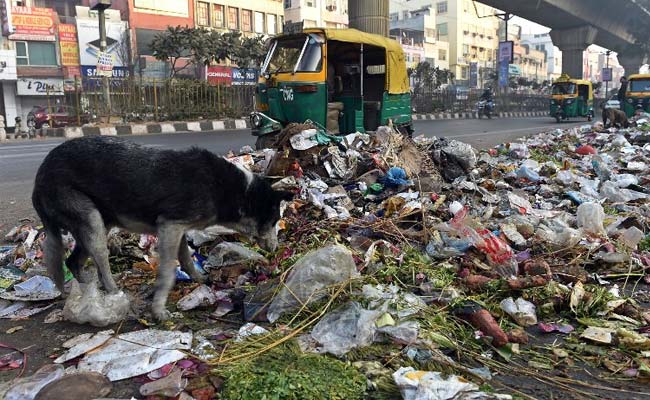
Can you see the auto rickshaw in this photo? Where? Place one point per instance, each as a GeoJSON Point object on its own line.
{"type": "Point", "coordinates": [343, 80]}
{"type": "Point", "coordinates": [637, 95]}
{"type": "Point", "coordinates": [571, 98]}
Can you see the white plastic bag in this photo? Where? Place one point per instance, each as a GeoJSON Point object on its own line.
{"type": "Point", "coordinates": [94, 306]}
{"type": "Point", "coordinates": [590, 218]}
{"type": "Point", "coordinates": [522, 311]}
{"type": "Point", "coordinates": [232, 253]}
{"type": "Point", "coordinates": [310, 274]}
{"type": "Point", "coordinates": [28, 387]}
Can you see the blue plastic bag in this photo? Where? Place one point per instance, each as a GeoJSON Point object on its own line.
{"type": "Point", "coordinates": [395, 176]}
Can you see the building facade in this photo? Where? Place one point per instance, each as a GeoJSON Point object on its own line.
{"type": "Point", "coordinates": [261, 17]}
{"type": "Point", "coordinates": [542, 42]}
{"type": "Point", "coordinates": [416, 32]}
{"type": "Point", "coordinates": [317, 13]}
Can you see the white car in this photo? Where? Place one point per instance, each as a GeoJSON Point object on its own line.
{"type": "Point", "coordinates": [613, 103]}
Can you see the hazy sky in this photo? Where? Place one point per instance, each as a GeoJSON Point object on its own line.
{"type": "Point", "coordinates": [528, 26]}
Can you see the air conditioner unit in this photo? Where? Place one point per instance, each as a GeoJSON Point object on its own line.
{"type": "Point", "coordinates": [331, 7]}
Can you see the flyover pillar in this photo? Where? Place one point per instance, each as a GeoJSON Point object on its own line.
{"type": "Point", "coordinates": [573, 42]}
{"type": "Point", "coordinates": [631, 60]}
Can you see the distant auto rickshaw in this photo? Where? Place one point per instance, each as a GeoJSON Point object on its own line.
{"type": "Point", "coordinates": [343, 80]}
{"type": "Point", "coordinates": [637, 95]}
{"type": "Point", "coordinates": [571, 98]}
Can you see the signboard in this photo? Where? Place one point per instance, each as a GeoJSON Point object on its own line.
{"type": "Point", "coordinates": [88, 32]}
{"type": "Point", "coordinates": [170, 7]}
{"type": "Point", "coordinates": [506, 51]}
{"type": "Point", "coordinates": [218, 75]}
{"type": "Point", "coordinates": [105, 62]}
{"type": "Point", "coordinates": [32, 23]}
{"type": "Point", "coordinates": [39, 87]}
{"type": "Point", "coordinates": [606, 74]}
{"type": "Point", "coordinates": [69, 45]}
{"type": "Point", "coordinates": [504, 67]}
{"type": "Point", "coordinates": [244, 76]}
{"type": "Point", "coordinates": [90, 71]}
{"type": "Point", "coordinates": [473, 74]}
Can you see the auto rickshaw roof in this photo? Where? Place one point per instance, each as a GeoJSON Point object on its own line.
{"type": "Point", "coordinates": [396, 75]}
{"type": "Point", "coordinates": [639, 76]}
{"type": "Point", "coordinates": [566, 79]}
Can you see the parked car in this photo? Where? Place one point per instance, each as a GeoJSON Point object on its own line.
{"type": "Point", "coordinates": [60, 117]}
{"type": "Point", "coordinates": [613, 102]}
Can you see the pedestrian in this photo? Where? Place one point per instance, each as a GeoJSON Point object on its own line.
{"type": "Point", "coordinates": [621, 92]}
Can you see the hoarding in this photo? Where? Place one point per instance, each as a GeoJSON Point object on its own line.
{"type": "Point", "coordinates": [171, 7]}
{"type": "Point", "coordinates": [473, 74]}
{"type": "Point", "coordinates": [39, 87]}
{"type": "Point", "coordinates": [606, 74]}
{"type": "Point", "coordinates": [32, 23]}
{"type": "Point", "coordinates": [88, 32]}
{"type": "Point", "coordinates": [218, 75]}
{"type": "Point", "coordinates": [244, 76]}
{"type": "Point", "coordinates": [506, 51]}
{"type": "Point", "coordinates": [69, 45]}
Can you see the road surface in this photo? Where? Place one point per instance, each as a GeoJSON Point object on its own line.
{"type": "Point", "coordinates": [19, 160]}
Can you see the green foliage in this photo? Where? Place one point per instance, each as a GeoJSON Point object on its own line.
{"type": "Point", "coordinates": [202, 47]}
{"type": "Point", "coordinates": [285, 373]}
{"type": "Point", "coordinates": [426, 76]}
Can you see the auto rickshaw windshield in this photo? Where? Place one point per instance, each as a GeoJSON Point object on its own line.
{"type": "Point", "coordinates": [302, 53]}
{"type": "Point", "coordinates": [564, 88]}
{"type": "Point", "coordinates": [640, 85]}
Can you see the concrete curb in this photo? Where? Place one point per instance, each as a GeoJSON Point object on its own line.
{"type": "Point", "coordinates": [149, 129]}
{"type": "Point", "coordinates": [474, 115]}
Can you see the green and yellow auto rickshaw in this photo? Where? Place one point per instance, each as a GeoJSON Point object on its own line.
{"type": "Point", "coordinates": [344, 80]}
{"type": "Point", "coordinates": [637, 95]}
{"type": "Point", "coordinates": [572, 98]}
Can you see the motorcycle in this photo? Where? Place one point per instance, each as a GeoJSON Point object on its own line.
{"type": "Point", "coordinates": [485, 107]}
{"type": "Point", "coordinates": [31, 126]}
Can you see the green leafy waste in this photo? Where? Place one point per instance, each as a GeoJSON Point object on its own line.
{"type": "Point", "coordinates": [286, 373]}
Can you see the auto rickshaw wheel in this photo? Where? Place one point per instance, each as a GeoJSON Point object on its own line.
{"type": "Point", "coordinates": [265, 141]}
{"type": "Point", "coordinates": [557, 119]}
{"type": "Point", "coordinates": [589, 118]}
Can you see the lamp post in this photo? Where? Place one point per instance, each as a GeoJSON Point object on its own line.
{"type": "Point", "coordinates": [607, 53]}
{"type": "Point", "coordinates": [100, 6]}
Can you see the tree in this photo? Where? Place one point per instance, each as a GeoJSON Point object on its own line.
{"type": "Point", "coordinates": [172, 45]}
{"type": "Point", "coordinates": [427, 77]}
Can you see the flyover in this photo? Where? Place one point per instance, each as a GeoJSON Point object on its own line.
{"type": "Point", "coordinates": [576, 24]}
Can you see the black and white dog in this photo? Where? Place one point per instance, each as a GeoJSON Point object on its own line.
{"type": "Point", "coordinates": [87, 185]}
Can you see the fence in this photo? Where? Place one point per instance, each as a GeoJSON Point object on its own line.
{"type": "Point", "coordinates": [451, 100]}
{"type": "Point", "coordinates": [134, 99]}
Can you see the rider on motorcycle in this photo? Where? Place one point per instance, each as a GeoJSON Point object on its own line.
{"type": "Point", "coordinates": [487, 95]}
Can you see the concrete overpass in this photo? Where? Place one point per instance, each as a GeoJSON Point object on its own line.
{"type": "Point", "coordinates": [576, 24]}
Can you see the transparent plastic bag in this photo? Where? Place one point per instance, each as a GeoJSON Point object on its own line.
{"type": "Point", "coordinates": [610, 191]}
{"type": "Point", "coordinates": [590, 218]}
{"type": "Point", "coordinates": [94, 306]}
{"type": "Point", "coordinates": [310, 274]}
{"type": "Point", "coordinates": [28, 387]}
{"type": "Point", "coordinates": [232, 253]}
{"type": "Point", "coordinates": [346, 328]}
{"type": "Point", "coordinates": [522, 311]}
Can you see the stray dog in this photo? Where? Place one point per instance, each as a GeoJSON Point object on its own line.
{"type": "Point", "coordinates": [616, 118]}
{"type": "Point", "coordinates": [87, 185]}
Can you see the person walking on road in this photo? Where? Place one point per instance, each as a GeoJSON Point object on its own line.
{"type": "Point", "coordinates": [621, 92]}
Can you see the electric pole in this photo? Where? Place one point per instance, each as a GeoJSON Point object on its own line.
{"type": "Point", "coordinates": [100, 6]}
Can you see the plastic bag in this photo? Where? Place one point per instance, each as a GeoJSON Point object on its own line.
{"type": "Point", "coordinates": [590, 218]}
{"type": "Point", "coordinates": [610, 191]}
{"type": "Point", "coordinates": [462, 153]}
{"type": "Point", "coordinates": [522, 311]}
{"type": "Point", "coordinates": [310, 274]}
{"type": "Point", "coordinates": [201, 296]}
{"type": "Point", "coordinates": [395, 176]}
{"type": "Point", "coordinates": [232, 253]}
{"type": "Point", "coordinates": [519, 150]}
{"type": "Point", "coordinates": [403, 333]}
{"type": "Point", "coordinates": [565, 177]}
{"type": "Point", "coordinates": [426, 385]}
{"type": "Point", "coordinates": [346, 328]}
{"type": "Point", "coordinates": [558, 233]}
{"type": "Point", "coordinates": [526, 173]}
{"type": "Point", "coordinates": [94, 306]}
{"type": "Point", "coordinates": [27, 388]}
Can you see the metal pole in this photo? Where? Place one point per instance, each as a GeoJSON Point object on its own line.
{"type": "Point", "coordinates": [102, 46]}
{"type": "Point", "coordinates": [76, 96]}
{"type": "Point", "coordinates": [155, 99]}
{"type": "Point", "coordinates": [607, 82]}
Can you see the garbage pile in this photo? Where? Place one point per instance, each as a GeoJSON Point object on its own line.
{"type": "Point", "coordinates": [414, 269]}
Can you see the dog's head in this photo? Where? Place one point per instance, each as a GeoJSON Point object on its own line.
{"type": "Point", "coordinates": [261, 212]}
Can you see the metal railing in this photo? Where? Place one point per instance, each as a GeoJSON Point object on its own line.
{"type": "Point", "coordinates": [452, 101]}
{"type": "Point", "coordinates": [142, 100]}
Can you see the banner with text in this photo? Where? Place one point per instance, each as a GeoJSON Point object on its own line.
{"type": "Point", "coordinates": [69, 45]}
{"type": "Point", "coordinates": [32, 23]}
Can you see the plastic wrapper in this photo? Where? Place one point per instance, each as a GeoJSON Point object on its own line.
{"type": "Point", "coordinates": [590, 218]}
{"type": "Point", "coordinates": [611, 191]}
{"type": "Point", "coordinates": [519, 150]}
{"type": "Point", "coordinates": [403, 333]}
{"type": "Point", "coordinates": [169, 386]}
{"type": "Point", "coordinates": [201, 296]}
{"type": "Point", "coordinates": [565, 177]}
{"type": "Point", "coordinates": [522, 311]}
{"type": "Point", "coordinates": [631, 237]}
{"type": "Point", "coordinates": [95, 307]}
{"type": "Point", "coordinates": [527, 173]}
{"type": "Point", "coordinates": [310, 274]}
{"type": "Point", "coordinates": [231, 253]}
{"type": "Point", "coordinates": [462, 153]}
{"type": "Point", "coordinates": [426, 385]}
{"type": "Point", "coordinates": [346, 328]}
{"type": "Point", "coordinates": [558, 233]}
{"type": "Point", "coordinates": [28, 387]}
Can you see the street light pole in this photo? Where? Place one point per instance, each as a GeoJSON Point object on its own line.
{"type": "Point", "coordinates": [607, 53]}
{"type": "Point", "coordinates": [102, 47]}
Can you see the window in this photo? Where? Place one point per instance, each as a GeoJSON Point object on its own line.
{"type": "Point", "coordinates": [405, 14]}
{"type": "Point", "coordinates": [393, 16]}
{"type": "Point", "coordinates": [217, 13]}
{"type": "Point", "coordinates": [310, 3]}
{"type": "Point", "coordinates": [259, 22]}
{"type": "Point", "coordinates": [246, 20]}
{"type": "Point", "coordinates": [442, 29]}
{"type": "Point", "coordinates": [35, 53]}
{"type": "Point", "coordinates": [442, 54]}
{"type": "Point", "coordinates": [331, 5]}
{"type": "Point", "coordinates": [271, 24]}
{"type": "Point", "coordinates": [233, 18]}
{"type": "Point", "coordinates": [202, 13]}
{"type": "Point", "coordinates": [465, 49]}
{"type": "Point", "coordinates": [287, 3]}
{"type": "Point", "coordinates": [430, 33]}
{"type": "Point", "coordinates": [441, 7]}
{"type": "Point", "coordinates": [288, 50]}
{"type": "Point", "coordinates": [464, 72]}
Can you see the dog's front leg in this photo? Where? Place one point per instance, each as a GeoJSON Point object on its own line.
{"type": "Point", "coordinates": [187, 265]}
{"type": "Point", "coordinates": [169, 238]}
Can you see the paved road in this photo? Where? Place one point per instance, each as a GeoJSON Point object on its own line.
{"type": "Point", "coordinates": [19, 160]}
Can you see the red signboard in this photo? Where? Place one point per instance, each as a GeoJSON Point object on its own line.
{"type": "Point", "coordinates": [218, 75]}
{"type": "Point", "coordinates": [32, 23]}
